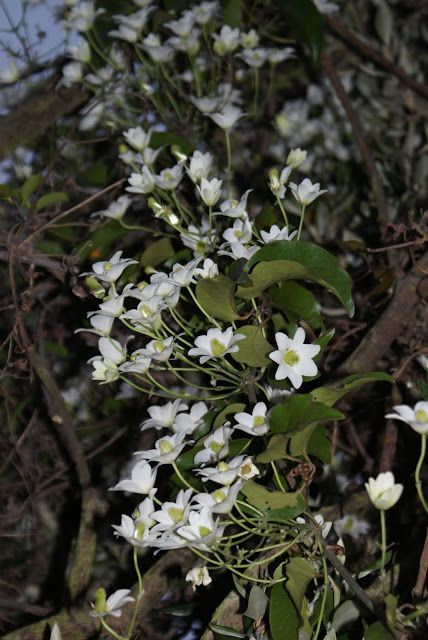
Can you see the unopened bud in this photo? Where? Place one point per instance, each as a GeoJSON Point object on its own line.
{"type": "Point", "coordinates": [95, 287]}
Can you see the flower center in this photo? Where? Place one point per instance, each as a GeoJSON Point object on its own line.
{"type": "Point", "coordinates": [238, 234]}
{"type": "Point", "coordinates": [219, 496]}
{"type": "Point", "coordinates": [216, 447]}
{"type": "Point", "coordinates": [107, 267]}
{"type": "Point", "coordinates": [217, 347]}
{"type": "Point", "coordinates": [245, 470]}
{"type": "Point", "coordinates": [145, 310]}
{"type": "Point", "coordinates": [222, 466]}
{"type": "Point", "coordinates": [200, 246]}
{"type": "Point", "coordinates": [165, 446]}
{"type": "Point", "coordinates": [158, 346]}
{"type": "Point", "coordinates": [258, 421]}
{"type": "Point", "coordinates": [204, 531]}
{"type": "Point", "coordinates": [421, 415]}
{"type": "Point", "coordinates": [291, 358]}
{"type": "Point", "coordinates": [139, 530]}
{"type": "Point", "coordinates": [175, 514]}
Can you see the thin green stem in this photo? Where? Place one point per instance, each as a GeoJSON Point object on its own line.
{"type": "Point", "coordinates": [382, 543]}
{"type": "Point", "coordinates": [212, 320]}
{"type": "Point", "coordinates": [229, 163]}
{"type": "Point", "coordinates": [277, 477]}
{"type": "Point", "coordinates": [418, 482]}
{"type": "Point", "coordinates": [182, 478]}
{"type": "Point", "coordinates": [111, 631]}
{"type": "Point", "coordinates": [139, 594]}
{"type": "Point", "coordinates": [302, 217]}
{"type": "Point", "coordinates": [323, 600]}
{"type": "Point", "coordinates": [284, 215]}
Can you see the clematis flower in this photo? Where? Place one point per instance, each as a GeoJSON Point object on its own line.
{"type": "Point", "coordinates": [240, 232]}
{"type": "Point", "coordinates": [224, 473]}
{"type": "Point", "coordinates": [383, 492]}
{"type": "Point", "coordinates": [202, 529]}
{"type": "Point", "coordinates": [275, 233]}
{"type": "Point", "coordinates": [169, 178]}
{"type": "Point", "coordinates": [306, 192]}
{"type": "Point", "coordinates": [173, 514]}
{"type": "Point", "coordinates": [226, 41]}
{"type": "Point", "coordinates": [210, 191]}
{"type": "Point", "coordinates": [110, 270]}
{"type": "Point", "coordinates": [215, 344]}
{"type": "Point", "coordinates": [188, 422]}
{"type": "Point", "coordinates": [417, 418]}
{"type": "Point", "coordinates": [142, 480]}
{"type": "Point", "coordinates": [296, 157]}
{"type": "Point", "coordinates": [216, 446]}
{"type": "Point", "coordinates": [163, 417]}
{"type": "Point", "coordinates": [166, 450]}
{"type": "Point", "coordinates": [234, 208]}
{"type": "Point", "coordinates": [221, 500]}
{"type": "Point", "coordinates": [295, 359]}
{"type": "Point", "coordinates": [209, 270]}
{"type": "Point", "coordinates": [137, 138]}
{"type": "Point", "coordinates": [112, 605]}
{"type": "Point", "coordinates": [255, 423]}
{"type": "Point", "coordinates": [116, 209]}
{"type": "Point", "coordinates": [198, 576]}
{"type": "Point", "coordinates": [199, 166]}
{"type": "Point", "coordinates": [159, 350]}
{"type": "Point", "coordinates": [204, 11]}
{"type": "Point", "coordinates": [227, 118]}
{"type": "Point", "coordinates": [143, 182]}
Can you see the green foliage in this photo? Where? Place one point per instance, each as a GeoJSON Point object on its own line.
{"type": "Point", "coordinates": [307, 21]}
{"type": "Point", "coordinates": [297, 302]}
{"type": "Point", "coordinates": [299, 411]}
{"type": "Point", "coordinates": [216, 297]}
{"type": "Point", "coordinates": [253, 350]}
{"type": "Point", "coordinates": [49, 199]}
{"type": "Point", "coordinates": [283, 615]}
{"type": "Point", "coordinates": [157, 253]}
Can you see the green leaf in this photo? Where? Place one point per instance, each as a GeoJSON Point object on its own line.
{"type": "Point", "coordinates": [253, 350]}
{"type": "Point", "coordinates": [283, 616]}
{"type": "Point", "coordinates": [161, 138]}
{"type": "Point", "coordinates": [319, 444]}
{"type": "Point", "coordinates": [157, 253]}
{"type": "Point", "coordinates": [257, 603]}
{"type": "Point", "coordinates": [276, 449]}
{"type": "Point", "coordinates": [51, 198]}
{"type": "Point", "coordinates": [216, 297]}
{"type": "Point", "coordinates": [308, 23]}
{"type": "Point", "coordinates": [269, 501]}
{"type": "Point", "coordinates": [297, 302]}
{"type": "Point", "coordinates": [344, 615]}
{"type": "Point", "coordinates": [377, 631]}
{"type": "Point", "coordinates": [6, 192]}
{"type": "Point", "coordinates": [330, 395]}
{"type": "Point", "coordinates": [30, 185]}
{"type": "Point", "coordinates": [300, 572]}
{"type": "Point", "coordinates": [299, 411]}
{"type": "Point", "coordinates": [284, 260]}
{"type": "Point", "coordinates": [232, 12]}
{"type": "Point", "coordinates": [230, 408]}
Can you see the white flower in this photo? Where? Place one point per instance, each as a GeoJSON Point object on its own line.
{"type": "Point", "coordinates": [216, 446]}
{"type": "Point", "coordinates": [275, 233]}
{"type": "Point", "coordinates": [104, 370]}
{"type": "Point", "coordinates": [215, 344]}
{"type": "Point", "coordinates": [326, 7]}
{"type": "Point", "coordinates": [202, 530]}
{"type": "Point", "coordinates": [240, 232]}
{"type": "Point", "coordinates": [159, 350]}
{"type": "Point", "coordinates": [234, 208]}
{"type": "Point", "coordinates": [173, 514]}
{"type": "Point", "coordinates": [142, 480]}
{"type": "Point", "coordinates": [210, 191]}
{"type": "Point", "coordinates": [137, 138]}
{"type": "Point", "coordinates": [143, 182]}
{"type": "Point", "coordinates": [319, 520]}
{"type": "Point", "coordinates": [116, 209]}
{"type": "Point", "coordinates": [417, 418]}
{"type": "Point", "coordinates": [277, 181]}
{"type": "Point", "coordinates": [136, 533]}
{"type": "Point", "coordinates": [166, 450]}
{"type": "Point", "coordinates": [383, 492]}
{"type": "Point", "coordinates": [147, 314]}
{"type": "Point", "coordinates": [111, 270]}
{"type": "Point", "coordinates": [163, 417]}
{"type": "Point", "coordinates": [198, 576]}
{"type": "Point", "coordinates": [170, 178]}
{"type": "Point", "coordinates": [80, 52]}
{"type": "Point", "coordinates": [71, 73]}
{"type": "Point", "coordinates": [306, 192]}
{"type": "Point", "coordinates": [206, 105]}
{"type": "Point", "coordinates": [156, 50]}
{"type": "Point", "coordinates": [254, 57]}
{"type": "Point", "coordinates": [275, 56]}
{"type": "Point", "coordinates": [112, 606]}
{"type": "Point", "coordinates": [82, 15]}
{"type": "Point", "coordinates": [224, 473]}
{"type": "Point", "coordinates": [209, 270]}
{"type": "Point", "coordinates": [205, 11]}
{"type": "Point", "coordinates": [296, 157]}
{"type": "Point", "coordinates": [352, 526]}
{"type": "Point", "coordinates": [227, 117]}
{"type": "Point", "coordinates": [188, 422]}
{"type": "Point", "coordinates": [250, 40]}
{"type": "Point", "coordinates": [182, 274]}
{"type": "Point", "coordinates": [248, 469]}
{"type": "Point", "coordinates": [221, 500]}
{"type": "Point", "coordinates": [183, 26]}
{"type": "Point", "coordinates": [295, 359]}
{"type": "Point", "coordinates": [199, 239]}
{"type": "Point", "coordinates": [11, 73]}
{"type": "Point", "coordinates": [226, 41]}
{"type": "Point", "coordinates": [236, 250]}
{"type": "Point", "coordinates": [138, 363]}
{"type": "Point", "coordinates": [255, 423]}
{"type": "Point", "coordinates": [199, 166]}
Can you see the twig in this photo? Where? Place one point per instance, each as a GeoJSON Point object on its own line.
{"type": "Point", "coordinates": [376, 56]}
{"type": "Point", "coordinates": [382, 206]}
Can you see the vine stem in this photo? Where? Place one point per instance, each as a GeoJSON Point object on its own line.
{"type": "Point", "coordinates": [284, 215]}
{"type": "Point", "coordinates": [229, 163]}
{"type": "Point", "coordinates": [324, 599]}
{"type": "Point", "coordinates": [382, 544]}
{"type": "Point", "coordinates": [302, 217]}
{"type": "Point", "coordinates": [418, 471]}
{"type": "Point", "coordinates": [139, 594]}
{"type": "Point", "coordinates": [111, 631]}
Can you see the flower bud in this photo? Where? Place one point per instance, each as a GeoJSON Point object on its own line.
{"type": "Point", "coordinates": [95, 287]}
